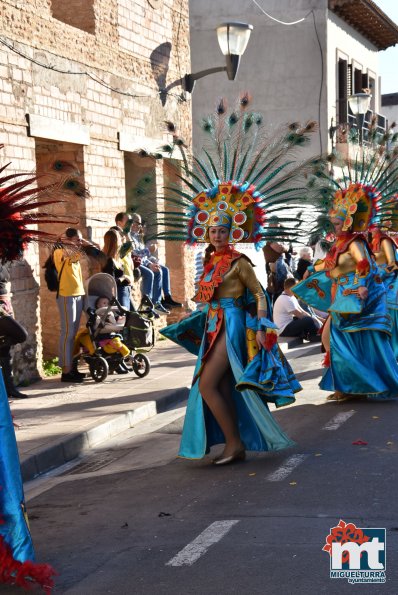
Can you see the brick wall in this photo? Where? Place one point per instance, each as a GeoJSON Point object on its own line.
{"type": "Point", "coordinates": [130, 47]}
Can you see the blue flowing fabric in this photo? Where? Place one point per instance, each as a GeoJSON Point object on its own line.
{"type": "Point", "coordinates": [269, 379]}
{"type": "Point", "coordinates": [390, 281]}
{"type": "Point", "coordinates": [188, 332]}
{"type": "Point", "coordinates": [14, 529]}
{"type": "Point", "coordinates": [361, 357]}
{"type": "Point", "coordinates": [315, 291]}
{"type": "Point", "coordinates": [269, 373]}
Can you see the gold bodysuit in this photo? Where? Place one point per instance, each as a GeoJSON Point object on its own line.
{"type": "Point", "coordinates": [346, 262]}
{"type": "Point", "coordinates": [240, 276]}
{"type": "Point", "coordinates": [386, 254]}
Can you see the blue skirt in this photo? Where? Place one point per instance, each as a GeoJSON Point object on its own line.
{"type": "Point", "coordinates": [14, 527]}
{"type": "Point", "coordinates": [362, 363]}
{"type": "Point", "coordinates": [258, 429]}
{"type": "Point", "coordinates": [394, 330]}
{"type": "Point", "coordinates": [361, 357]}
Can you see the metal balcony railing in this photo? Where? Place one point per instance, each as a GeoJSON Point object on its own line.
{"type": "Point", "coordinates": [347, 128]}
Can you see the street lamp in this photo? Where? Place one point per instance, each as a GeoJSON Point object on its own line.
{"type": "Point", "coordinates": [233, 39]}
{"type": "Point", "coordinates": [359, 105]}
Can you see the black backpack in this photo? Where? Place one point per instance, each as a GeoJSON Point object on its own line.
{"type": "Point", "coordinates": [51, 275]}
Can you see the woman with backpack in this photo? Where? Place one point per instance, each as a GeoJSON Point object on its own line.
{"type": "Point", "coordinates": [69, 298]}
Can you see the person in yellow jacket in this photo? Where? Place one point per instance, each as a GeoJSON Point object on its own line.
{"type": "Point", "coordinates": [69, 299]}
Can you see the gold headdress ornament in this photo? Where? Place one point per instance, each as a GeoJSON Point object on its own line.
{"type": "Point", "coordinates": [364, 192]}
{"type": "Point", "coordinates": [355, 206]}
{"type": "Point", "coordinates": [224, 204]}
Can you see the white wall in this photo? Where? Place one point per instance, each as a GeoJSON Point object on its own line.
{"type": "Point", "coordinates": [281, 67]}
{"type": "Point", "coordinates": [391, 113]}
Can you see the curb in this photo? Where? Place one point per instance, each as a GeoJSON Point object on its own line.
{"type": "Point", "coordinates": [74, 445]}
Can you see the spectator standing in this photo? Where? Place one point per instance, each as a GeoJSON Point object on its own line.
{"type": "Point", "coordinates": [303, 262]}
{"type": "Point", "coordinates": [69, 299]}
{"type": "Point", "coordinates": [290, 317]}
{"type": "Point", "coordinates": [275, 265]}
{"type": "Point", "coordinates": [116, 267]}
{"type": "Point", "coordinates": [5, 350]}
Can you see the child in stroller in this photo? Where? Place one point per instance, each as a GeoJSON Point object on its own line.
{"type": "Point", "coordinates": [110, 323]}
{"type": "Point", "coordinates": [112, 333]}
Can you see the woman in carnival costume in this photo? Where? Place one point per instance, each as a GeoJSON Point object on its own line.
{"type": "Point", "coordinates": [20, 199]}
{"type": "Point", "coordinates": [226, 197]}
{"type": "Point", "coordinates": [347, 283]}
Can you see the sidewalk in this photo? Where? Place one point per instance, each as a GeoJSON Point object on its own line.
{"type": "Point", "coordinates": [60, 421]}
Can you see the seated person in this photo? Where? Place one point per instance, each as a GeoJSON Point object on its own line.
{"type": "Point", "coordinates": [109, 323]}
{"type": "Point", "coordinates": [122, 222]}
{"type": "Point", "coordinates": [155, 276]}
{"type": "Point", "coordinates": [290, 317]}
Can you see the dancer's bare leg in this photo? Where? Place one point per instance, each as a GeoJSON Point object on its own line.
{"type": "Point", "coordinates": [326, 335]}
{"type": "Point", "coordinates": [337, 395]}
{"type": "Point", "coordinates": [211, 382]}
{"type": "Point", "coordinates": [226, 386]}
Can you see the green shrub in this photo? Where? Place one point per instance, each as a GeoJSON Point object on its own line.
{"type": "Point", "coordinates": [51, 367]}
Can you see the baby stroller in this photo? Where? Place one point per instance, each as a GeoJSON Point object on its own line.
{"type": "Point", "coordinates": [137, 334]}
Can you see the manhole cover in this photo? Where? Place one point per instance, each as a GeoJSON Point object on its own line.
{"type": "Point", "coordinates": [98, 461]}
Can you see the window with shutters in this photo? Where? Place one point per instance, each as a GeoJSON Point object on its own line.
{"type": "Point", "coordinates": [357, 81]}
{"type": "Point", "coordinates": [342, 91]}
{"type": "Point", "coordinates": [372, 90]}
{"type": "Point", "coordinates": [75, 13]}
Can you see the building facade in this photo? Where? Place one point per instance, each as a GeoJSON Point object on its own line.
{"type": "Point", "coordinates": [85, 82]}
{"type": "Point", "coordinates": [389, 102]}
{"type": "Point", "coordinates": [304, 71]}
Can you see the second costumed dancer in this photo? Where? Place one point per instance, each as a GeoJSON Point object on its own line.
{"type": "Point", "coordinates": [347, 283]}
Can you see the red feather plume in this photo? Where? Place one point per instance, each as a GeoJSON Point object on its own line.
{"type": "Point", "coordinates": [24, 574]}
{"type": "Point", "coordinates": [20, 199]}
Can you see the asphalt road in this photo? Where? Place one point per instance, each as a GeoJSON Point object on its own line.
{"type": "Point", "coordinates": [132, 519]}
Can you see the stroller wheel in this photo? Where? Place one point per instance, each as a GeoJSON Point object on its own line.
{"type": "Point", "coordinates": [99, 369]}
{"type": "Point", "coordinates": [141, 365]}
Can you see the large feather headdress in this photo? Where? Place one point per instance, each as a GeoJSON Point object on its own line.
{"type": "Point", "coordinates": [364, 192]}
{"type": "Point", "coordinates": [23, 201]}
{"type": "Point", "coordinates": [246, 177]}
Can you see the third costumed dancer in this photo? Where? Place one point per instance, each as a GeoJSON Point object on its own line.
{"type": "Point", "coordinates": [22, 205]}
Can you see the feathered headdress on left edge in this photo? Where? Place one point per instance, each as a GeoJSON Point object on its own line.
{"type": "Point", "coordinates": [22, 202]}
{"type": "Point", "coordinates": [246, 178]}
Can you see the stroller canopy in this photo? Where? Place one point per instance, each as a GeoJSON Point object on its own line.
{"type": "Point", "coordinates": [99, 285]}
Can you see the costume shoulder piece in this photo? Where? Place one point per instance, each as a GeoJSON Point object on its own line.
{"type": "Point", "coordinates": [340, 246]}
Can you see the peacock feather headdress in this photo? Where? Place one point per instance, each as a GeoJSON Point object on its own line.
{"type": "Point", "coordinates": [364, 193]}
{"type": "Point", "coordinates": [246, 177]}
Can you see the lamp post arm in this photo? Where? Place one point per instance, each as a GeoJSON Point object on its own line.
{"type": "Point", "coordinates": [190, 79]}
{"type": "Point", "coordinates": [187, 82]}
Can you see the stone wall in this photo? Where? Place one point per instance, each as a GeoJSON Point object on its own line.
{"type": "Point", "coordinates": [126, 52]}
